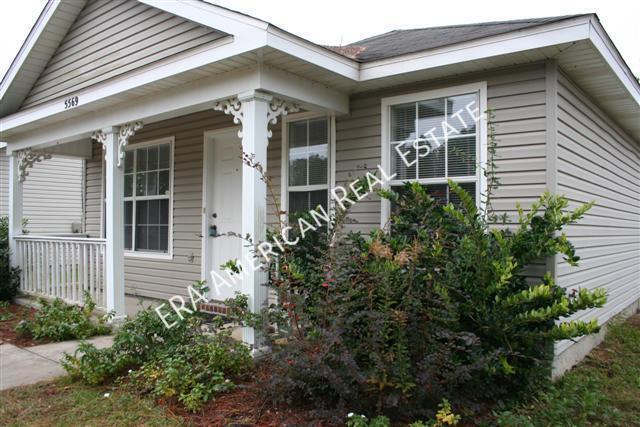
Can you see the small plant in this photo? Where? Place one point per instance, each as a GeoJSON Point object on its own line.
{"type": "Point", "coordinates": [178, 363]}
{"type": "Point", "coordinates": [5, 314]}
{"type": "Point", "coordinates": [9, 276]}
{"type": "Point", "coordinates": [194, 372]}
{"type": "Point", "coordinates": [445, 415]}
{"type": "Point", "coordinates": [58, 321]}
{"type": "Point", "coordinates": [355, 420]}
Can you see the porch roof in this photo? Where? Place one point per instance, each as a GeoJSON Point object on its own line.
{"type": "Point", "coordinates": [579, 43]}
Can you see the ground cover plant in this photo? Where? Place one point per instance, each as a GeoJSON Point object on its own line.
{"type": "Point", "coordinates": [179, 363]}
{"type": "Point", "coordinates": [58, 321]}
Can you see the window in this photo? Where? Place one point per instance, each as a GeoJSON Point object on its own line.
{"type": "Point", "coordinates": [148, 198]}
{"type": "Point", "coordinates": [435, 136]}
{"type": "Point", "coordinates": [307, 148]}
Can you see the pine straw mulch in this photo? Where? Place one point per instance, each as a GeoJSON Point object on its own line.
{"type": "Point", "coordinates": [7, 327]}
{"type": "Point", "coordinates": [247, 405]}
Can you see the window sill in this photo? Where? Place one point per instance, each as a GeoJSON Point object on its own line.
{"type": "Point", "coordinates": [148, 255]}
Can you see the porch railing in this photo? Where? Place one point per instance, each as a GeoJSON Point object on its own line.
{"type": "Point", "coordinates": [62, 267]}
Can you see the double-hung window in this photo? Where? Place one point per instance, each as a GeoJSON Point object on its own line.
{"type": "Point", "coordinates": [148, 197]}
{"type": "Point", "coordinates": [434, 136]}
{"type": "Point", "coordinates": [307, 154]}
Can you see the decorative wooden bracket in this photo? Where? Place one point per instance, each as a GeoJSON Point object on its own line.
{"type": "Point", "coordinates": [280, 107]}
{"type": "Point", "coordinates": [277, 107]}
{"type": "Point", "coordinates": [27, 158]}
{"type": "Point", "coordinates": [126, 131]}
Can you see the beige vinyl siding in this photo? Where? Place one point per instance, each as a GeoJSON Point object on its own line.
{"type": "Point", "coordinates": [52, 194]}
{"type": "Point", "coordinates": [161, 278]}
{"type": "Point", "coordinates": [113, 37]}
{"type": "Point", "coordinates": [94, 197]}
{"type": "Point", "coordinates": [517, 98]}
{"type": "Point", "coordinates": [598, 162]}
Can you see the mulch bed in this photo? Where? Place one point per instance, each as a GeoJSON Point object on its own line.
{"type": "Point", "coordinates": [7, 332]}
{"type": "Point", "coordinates": [246, 406]}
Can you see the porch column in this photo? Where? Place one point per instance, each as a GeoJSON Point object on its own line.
{"type": "Point", "coordinates": [15, 206]}
{"type": "Point", "coordinates": [114, 221]}
{"type": "Point", "coordinates": [255, 138]}
{"type": "Point", "coordinates": [254, 110]}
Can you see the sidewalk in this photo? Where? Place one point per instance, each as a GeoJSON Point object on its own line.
{"type": "Point", "coordinates": [22, 366]}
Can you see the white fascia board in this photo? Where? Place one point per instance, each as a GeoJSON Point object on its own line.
{"type": "Point", "coordinates": [312, 53]}
{"type": "Point", "coordinates": [605, 46]}
{"type": "Point", "coordinates": [213, 16]}
{"type": "Point", "coordinates": [517, 41]}
{"type": "Point", "coordinates": [311, 94]}
{"type": "Point", "coordinates": [183, 99]}
{"type": "Point", "coordinates": [49, 10]}
{"type": "Point", "coordinates": [225, 48]}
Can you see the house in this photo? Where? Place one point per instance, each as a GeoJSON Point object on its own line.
{"type": "Point", "coordinates": [162, 96]}
{"type": "Point", "coordinates": [52, 195]}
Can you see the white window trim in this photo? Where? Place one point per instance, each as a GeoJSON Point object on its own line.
{"type": "Point", "coordinates": [284, 174]}
{"type": "Point", "coordinates": [155, 255]}
{"type": "Point", "coordinates": [481, 148]}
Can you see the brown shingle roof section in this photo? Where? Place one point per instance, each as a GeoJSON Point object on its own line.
{"type": "Point", "coordinates": [402, 42]}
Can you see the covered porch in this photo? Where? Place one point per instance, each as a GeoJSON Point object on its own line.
{"type": "Point", "coordinates": [207, 126]}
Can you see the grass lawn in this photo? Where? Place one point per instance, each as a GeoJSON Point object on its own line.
{"type": "Point", "coordinates": [604, 390]}
{"type": "Point", "coordinates": [66, 403]}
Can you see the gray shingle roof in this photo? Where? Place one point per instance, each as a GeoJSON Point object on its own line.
{"type": "Point", "coordinates": [401, 42]}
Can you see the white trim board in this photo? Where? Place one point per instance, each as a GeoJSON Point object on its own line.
{"type": "Point", "coordinates": [191, 97]}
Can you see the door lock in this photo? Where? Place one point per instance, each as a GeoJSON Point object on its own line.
{"type": "Point", "coordinates": [213, 230]}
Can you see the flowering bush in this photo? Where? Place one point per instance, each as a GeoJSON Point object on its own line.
{"type": "Point", "coordinates": [437, 308]}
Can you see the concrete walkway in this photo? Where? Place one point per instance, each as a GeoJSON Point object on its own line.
{"type": "Point", "coordinates": [29, 365]}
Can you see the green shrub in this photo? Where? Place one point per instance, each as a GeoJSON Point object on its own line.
{"type": "Point", "coordinates": [194, 372]}
{"type": "Point", "coordinates": [58, 321]}
{"type": "Point", "coordinates": [179, 362]}
{"type": "Point", "coordinates": [5, 314]}
{"type": "Point", "coordinates": [9, 276]}
{"type": "Point", "coordinates": [439, 308]}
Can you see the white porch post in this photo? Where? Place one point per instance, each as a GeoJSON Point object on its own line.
{"type": "Point", "coordinates": [114, 141]}
{"type": "Point", "coordinates": [114, 218]}
{"type": "Point", "coordinates": [255, 138]}
{"type": "Point", "coordinates": [15, 206]}
{"type": "Point", "coordinates": [254, 110]}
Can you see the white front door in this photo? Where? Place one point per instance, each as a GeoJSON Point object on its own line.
{"type": "Point", "coordinates": [222, 211]}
